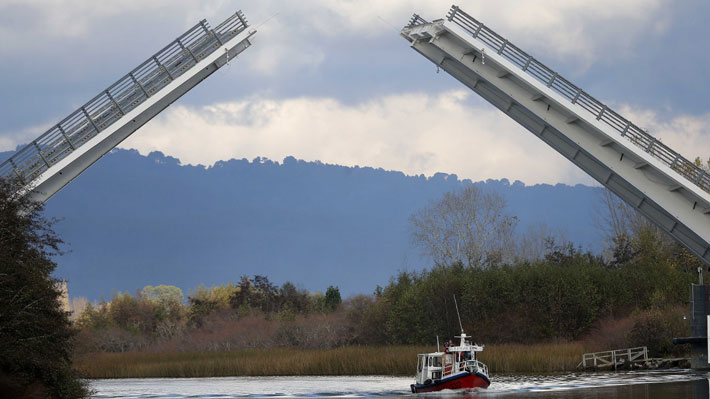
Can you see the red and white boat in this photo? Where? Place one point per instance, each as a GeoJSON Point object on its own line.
{"type": "Point", "coordinates": [457, 367]}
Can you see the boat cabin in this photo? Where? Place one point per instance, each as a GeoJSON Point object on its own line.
{"type": "Point", "coordinates": [454, 360]}
{"type": "Point", "coordinates": [429, 367]}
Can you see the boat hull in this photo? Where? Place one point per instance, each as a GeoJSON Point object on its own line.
{"type": "Point", "coordinates": [465, 380]}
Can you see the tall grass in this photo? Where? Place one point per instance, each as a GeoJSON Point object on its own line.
{"type": "Point", "coordinates": [540, 358]}
{"type": "Point", "coordinates": [389, 360]}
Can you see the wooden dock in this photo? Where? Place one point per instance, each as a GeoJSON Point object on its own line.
{"type": "Point", "coordinates": [628, 359]}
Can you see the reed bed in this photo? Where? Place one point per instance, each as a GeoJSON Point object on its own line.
{"type": "Point", "coordinates": [389, 360]}
{"type": "Point", "coordinates": [539, 358]}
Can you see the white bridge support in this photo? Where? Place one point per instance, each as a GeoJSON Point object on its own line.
{"type": "Point", "coordinates": [665, 187]}
{"type": "Point", "coordinates": [58, 156]}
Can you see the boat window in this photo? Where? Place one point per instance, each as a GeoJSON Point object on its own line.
{"type": "Point", "coordinates": [420, 362]}
{"type": "Point", "coordinates": [429, 361]}
{"type": "Point", "coordinates": [437, 361]}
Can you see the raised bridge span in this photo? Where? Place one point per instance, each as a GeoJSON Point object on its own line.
{"type": "Point", "coordinates": [660, 183]}
{"type": "Point", "coordinates": [59, 155]}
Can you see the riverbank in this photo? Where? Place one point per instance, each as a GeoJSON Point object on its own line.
{"type": "Point", "coordinates": [354, 360]}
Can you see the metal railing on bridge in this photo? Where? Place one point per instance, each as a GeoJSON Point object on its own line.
{"type": "Point", "coordinates": [120, 98]}
{"type": "Point", "coordinates": [564, 87]}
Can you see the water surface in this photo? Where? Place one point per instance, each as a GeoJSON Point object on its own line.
{"type": "Point", "coordinates": [635, 385]}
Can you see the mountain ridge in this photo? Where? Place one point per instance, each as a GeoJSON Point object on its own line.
{"type": "Point", "coordinates": [133, 220]}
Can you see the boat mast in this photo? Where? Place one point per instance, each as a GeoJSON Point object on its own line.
{"type": "Point", "coordinates": [457, 314]}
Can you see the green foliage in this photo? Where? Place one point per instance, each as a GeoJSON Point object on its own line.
{"type": "Point", "coordinates": [163, 295]}
{"type": "Point", "coordinates": [654, 328]}
{"type": "Point", "coordinates": [258, 293]}
{"type": "Point", "coordinates": [332, 300]}
{"type": "Point", "coordinates": [35, 333]}
{"type": "Point", "coordinates": [205, 301]}
{"type": "Point", "coordinates": [561, 297]}
{"type": "Point", "coordinates": [133, 322]}
{"type": "Point", "coordinates": [156, 315]}
{"type": "Point", "coordinates": [294, 299]}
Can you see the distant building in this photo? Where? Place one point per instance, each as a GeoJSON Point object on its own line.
{"type": "Point", "coordinates": [64, 298]}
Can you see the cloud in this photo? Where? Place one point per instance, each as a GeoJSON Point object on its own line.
{"type": "Point", "coordinates": [10, 141]}
{"type": "Point", "coordinates": [414, 132]}
{"type": "Point", "coordinates": [580, 32]}
{"type": "Point", "coordinates": [302, 33]}
{"type": "Point", "coordinates": [688, 135]}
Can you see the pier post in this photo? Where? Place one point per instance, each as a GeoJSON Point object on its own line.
{"type": "Point", "coordinates": [699, 320]}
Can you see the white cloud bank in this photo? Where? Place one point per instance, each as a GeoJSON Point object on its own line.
{"type": "Point", "coordinates": [414, 133]}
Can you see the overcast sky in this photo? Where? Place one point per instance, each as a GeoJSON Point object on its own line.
{"type": "Point", "coordinates": [333, 80]}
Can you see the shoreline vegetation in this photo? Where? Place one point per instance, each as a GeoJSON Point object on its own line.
{"type": "Point", "coordinates": [352, 360]}
{"type": "Point", "coordinates": [534, 317]}
{"type": "Point", "coordinates": [537, 312]}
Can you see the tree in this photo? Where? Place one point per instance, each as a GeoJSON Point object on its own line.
{"type": "Point", "coordinates": [242, 294]}
{"type": "Point", "coordinates": [293, 299]}
{"type": "Point", "coordinates": [627, 230]}
{"type": "Point", "coordinates": [532, 244]}
{"type": "Point", "coordinates": [258, 293]}
{"type": "Point", "coordinates": [168, 304]}
{"type": "Point", "coordinates": [468, 226]}
{"type": "Point", "coordinates": [164, 295]}
{"type": "Point", "coordinates": [265, 294]}
{"type": "Point", "coordinates": [35, 333]}
{"type": "Point", "coordinates": [331, 299]}
{"type": "Point", "coordinates": [619, 218]}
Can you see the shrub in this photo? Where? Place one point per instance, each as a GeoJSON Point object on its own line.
{"type": "Point", "coordinates": [656, 328]}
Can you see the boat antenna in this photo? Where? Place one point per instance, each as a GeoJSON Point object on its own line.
{"type": "Point", "coordinates": [437, 343]}
{"type": "Point", "coordinates": [457, 313]}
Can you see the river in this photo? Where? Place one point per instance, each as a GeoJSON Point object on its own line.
{"type": "Point", "coordinates": [634, 385]}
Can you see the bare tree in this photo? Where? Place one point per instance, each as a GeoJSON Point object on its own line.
{"type": "Point", "coordinates": [616, 218]}
{"type": "Point", "coordinates": [533, 243]}
{"type": "Point", "coordinates": [468, 226]}
{"type": "Point", "coordinates": [622, 224]}
{"type": "Point", "coordinates": [621, 219]}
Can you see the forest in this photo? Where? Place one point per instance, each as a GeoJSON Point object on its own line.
{"type": "Point", "coordinates": [531, 288]}
{"type": "Point", "coordinates": [566, 296]}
